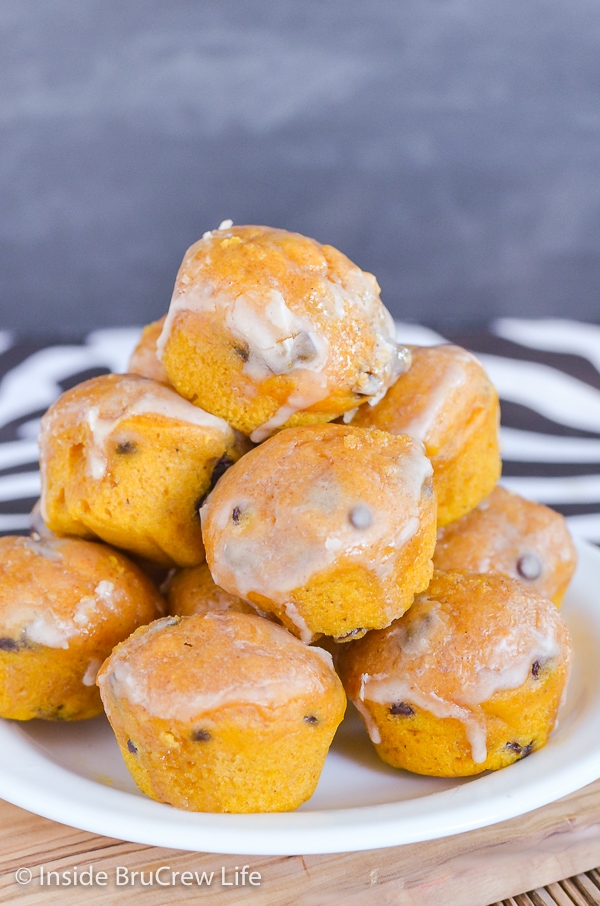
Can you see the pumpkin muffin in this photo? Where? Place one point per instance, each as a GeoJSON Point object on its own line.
{"type": "Point", "coordinates": [222, 712]}
{"type": "Point", "coordinates": [269, 329]}
{"type": "Point", "coordinates": [510, 535]}
{"type": "Point", "coordinates": [64, 605]}
{"type": "Point", "coordinates": [446, 401]}
{"type": "Point", "coordinates": [329, 527]}
{"type": "Point", "coordinates": [127, 460]}
{"type": "Point", "coordinates": [469, 680]}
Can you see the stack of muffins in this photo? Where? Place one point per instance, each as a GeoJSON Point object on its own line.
{"type": "Point", "coordinates": [277, 481]}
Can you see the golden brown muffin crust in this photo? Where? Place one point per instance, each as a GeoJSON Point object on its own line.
{"type": "Point", "coordinates": [268, 327]}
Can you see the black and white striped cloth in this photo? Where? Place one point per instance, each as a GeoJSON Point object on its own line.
{"type": "Point", "coordinates": [547, 374]}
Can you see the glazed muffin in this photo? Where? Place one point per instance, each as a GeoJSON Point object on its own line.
{"type": "Point", "coordinates": [222, 712]}
{"type": "Point", "coordinates": [193, 590]}
{"type": "Point", "coordinates": [64, 605]}
{"type": "Point", "coordinates": [329, 527]}
{"type": "Point", "coordinates": [446, 401]}
{"type": "Point", "coordinates": [469, 680]}
{"type": "Point", "coordinates": [510, 535]}
{"type": "Point", "coordinates": [144, 360]}
{"type": "Point", "coordinates": [127, 460]}
{"type": "Point", "coordinates": [270, 329]}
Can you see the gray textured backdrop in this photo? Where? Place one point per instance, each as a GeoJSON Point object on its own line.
{"type": "Point", "coordinates": [450, 146]}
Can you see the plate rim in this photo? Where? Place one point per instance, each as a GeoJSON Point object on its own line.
{"type": "Point", "coordinates": [101, 809]}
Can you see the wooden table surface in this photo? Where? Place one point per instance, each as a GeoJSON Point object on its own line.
{"type": "Point", "coordinates": [530, 853]}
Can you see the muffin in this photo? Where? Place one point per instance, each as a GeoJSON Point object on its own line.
{"type": "Point", "coordinates": [510, 535]}
{"type": "Point", "coordinates": [469, 680]}
{"type": "Point", "coordinates": [64, 605]}
{"type": "Point", "coordinates": [143, 360]}
{"type": "Point", "coordinates": [193, 590]}
{"type": "Point", "coordinates": [329, 527]}
{"type": "Point", "coordinates": [127, 460]}
{"type": "Point", "coordinates": [269, 329]}
{"type": "Point", "coordinates": [446, 401]}
{"type": "Point", "coordinates": [222, 712]}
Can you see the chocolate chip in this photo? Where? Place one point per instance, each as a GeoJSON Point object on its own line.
{"type": "Point", "coordinates": [535, 668]}
{"type": "Point", "coordinates": [235, 515]}
{"type": "Point", "coordinates": [8, 645]}
{"type": "Point", "coordinates": [402, 708]}
{"type": "Point", "coordinates": [52, 714]}
{"type": "Point", "coordinates": [311, 719]}
{"type": "Point", "coordinates": [127, 446]}
{"type": "Point", "coordinates": [521, 751]}
{"type": "Point", "coordinates": [368, 384]}
{"type": "Point", "coordinates": [361, 516]}
{"type": "Point", "coordinates": [529, 566]}
{"type": "Point", "coordinates": [201, 736]}
{"type": "Point", "coordinates": [353, 634]}
{"type": "Point", "coordinates": [243, 352]}
{"type": "Point", "coordinates": [219, 469]}
{"type": "Point", "coordinates": [303, 348]}
{"type": "Point", "coordinates": [132, 748]}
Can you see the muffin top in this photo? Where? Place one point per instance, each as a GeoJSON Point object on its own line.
{"type": "Point", "coordinates": [513, 536]}
{"type": "Point", "coordinates": [64, 592]}
{"type": "Point", "coordinates": [438, 400]}
{"type": "Point", "coordinates": [182, 668]}
{"type": "Point", "coordinates": [290, 307]}
{"type": "Point", "coordinates": [313, 497]}
{"type": "Point", "coordinates": [104, 407]}
{"type": "Point", "coordinates": [465, 639]}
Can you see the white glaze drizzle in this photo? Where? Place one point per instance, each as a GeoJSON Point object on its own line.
{"type": "Point", "coordinates": [297, 401]}
{"type": "Point", "coordinates": [324, 655]}
{"type": "Point", "coordinates": [505, 527]}
{"type": "Point", "coordinates": [49, 630]}
{"type": "Point", "coordinates": [453, 377]}
{"type": "Point", "coordinates": [162, 402]}
{"type": "Point", "coordinates": [89, 677]}
{"type": "Point", "coordinates": [45, 627]}
{"type": "Point", "coordinates": [282, 549]}
{"type": "Point", "coordinates": [282, 341]}
{"type": "Point", "coordinates": [294, 616]}
{"type": "Point", "coordinates": [47, 547]}
{"type": "Point", "coordinates": [370, 725]}
{"type": "Point", "coordinates": [502, 667]}
{"type": "Point", "coordinates": [279, 341]}
{"type": "Point", "coordinates": [283, 676]}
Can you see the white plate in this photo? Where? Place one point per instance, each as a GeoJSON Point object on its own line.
{"type": "Point", "coordinates": [73, 773]}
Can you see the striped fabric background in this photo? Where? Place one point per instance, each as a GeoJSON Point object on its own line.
{"type": "Point", "coordinates": [547, 374]}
